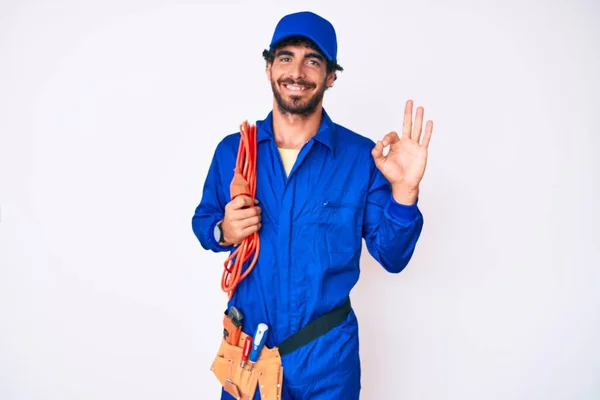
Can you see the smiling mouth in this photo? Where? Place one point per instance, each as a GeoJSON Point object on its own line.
{"type": "Point", "coordinates": [295, 88]}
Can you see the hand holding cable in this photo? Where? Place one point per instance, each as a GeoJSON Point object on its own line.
{"type": "Point", "coordinates": [241, 219]}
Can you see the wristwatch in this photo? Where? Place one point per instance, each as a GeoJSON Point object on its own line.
{"type": "Point", "coordinates": [218, 232]}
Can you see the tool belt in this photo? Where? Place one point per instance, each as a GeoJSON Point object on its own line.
{"type": "Point", "coordinates": [241, 382]}
{"type": "Point", "coordinates": [267, 373]}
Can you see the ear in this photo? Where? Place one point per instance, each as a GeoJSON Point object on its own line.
{"type": "Point", "coordinates": [268, 72]}
{"type": "Point", "coordinates": [330, 79]}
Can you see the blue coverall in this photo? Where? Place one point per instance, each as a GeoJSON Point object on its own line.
{"type": "Point", "coordinates": [313, 223]}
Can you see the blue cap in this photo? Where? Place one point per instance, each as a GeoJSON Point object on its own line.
{"type": "Point", "coordinates": [311, 26]}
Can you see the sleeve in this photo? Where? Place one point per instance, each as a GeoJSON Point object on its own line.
{"type": "Point", "coordinates": [211, 209]}
{"type": "Point", "coordinates": [390, 229]}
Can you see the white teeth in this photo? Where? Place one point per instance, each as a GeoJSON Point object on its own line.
{"type": "Point", "coordinates": [294, 87]}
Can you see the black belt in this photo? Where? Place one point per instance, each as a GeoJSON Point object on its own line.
{"type": "Point", "coordinates": [318, 327]}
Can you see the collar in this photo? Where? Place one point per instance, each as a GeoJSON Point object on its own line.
{"type": "Point", "coordinates": [325, 135]}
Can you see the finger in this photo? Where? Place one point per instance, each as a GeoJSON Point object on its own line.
{"type": "Point", "coordinates": [245, 213]}
{"type": "Point", "coordinates": [416, 135]}
{"type": "Point", "coordinates": [428, 133]}
{"type": "Point", "coordinates": [242, 201]}
{"type": "Point", "coordinates": [245, 223]}
{"type": "Point", "coordinates": [390, 138]}
{"type": "Point", "coordinates": [377, 153]}
{"type": "Point", "coordinates": [250, 230]}
{"type": "Point", "coordinates": [407, 124]}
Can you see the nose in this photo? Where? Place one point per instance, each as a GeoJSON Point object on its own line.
{"type": "Point", "coordinates": [296, 70]}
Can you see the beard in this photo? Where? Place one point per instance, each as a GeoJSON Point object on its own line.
{"type": "Point", "coordinates": [296, 105]}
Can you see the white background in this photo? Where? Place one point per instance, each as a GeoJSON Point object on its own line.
{"type": "Point", "coordinates": [109, 115]}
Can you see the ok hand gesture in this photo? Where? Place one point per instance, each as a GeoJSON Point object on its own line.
{"type": "Point", "coordinates": [404, 165]}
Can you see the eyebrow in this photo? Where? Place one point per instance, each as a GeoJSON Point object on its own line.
{"type": "Point", "coordinates": [309, 55]}
{"type": "Point", "coordinates": [314, 55]}
{"type": "Point", "coordinates": [284, 53]}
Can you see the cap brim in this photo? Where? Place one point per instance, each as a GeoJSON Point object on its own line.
{"type": "Point", "coordinates": [302, 34]}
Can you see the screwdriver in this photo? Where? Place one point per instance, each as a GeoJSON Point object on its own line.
{"type": "Point", "coordinates": [246, 351]}
{"type": "Point", "coordinates": [260, 337]}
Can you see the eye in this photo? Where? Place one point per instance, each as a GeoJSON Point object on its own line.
{"type": "Point", "coordinates": [284, 59]}
{"type": "Point", "coordinates": [316, 63]}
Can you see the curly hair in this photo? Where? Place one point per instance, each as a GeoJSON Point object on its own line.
{"type": "Point", "coordinates": [269, 55]}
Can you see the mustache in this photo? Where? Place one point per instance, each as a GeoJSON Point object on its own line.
{"type": "Point", "coordinates": [299, 81]}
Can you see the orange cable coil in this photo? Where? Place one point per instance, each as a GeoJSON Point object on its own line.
{"type": "Point", "coordinates": [243, 183]}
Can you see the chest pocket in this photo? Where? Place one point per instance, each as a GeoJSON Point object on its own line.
{"type": "Point", "coordinates": [336, 216]}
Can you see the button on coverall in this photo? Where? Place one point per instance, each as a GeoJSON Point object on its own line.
{"type": "Point", "coordinates": [313, 223]}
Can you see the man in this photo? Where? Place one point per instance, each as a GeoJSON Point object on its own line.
{"type": "Point", "coordinates": [321, 189]}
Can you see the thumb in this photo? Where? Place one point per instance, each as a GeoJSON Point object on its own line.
{"type": "Point", "coordinates": [377, 153]}
{"type": "Point", "coordinates": [243, 201]}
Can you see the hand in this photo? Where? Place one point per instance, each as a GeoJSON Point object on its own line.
{"type": "Point", "coordinates": [404, 165]}
{"type": "Point", "coordinates": [242, 219]}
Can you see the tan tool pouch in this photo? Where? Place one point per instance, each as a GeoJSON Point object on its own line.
{"type": "Point", "coordinates": [266, 374]}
